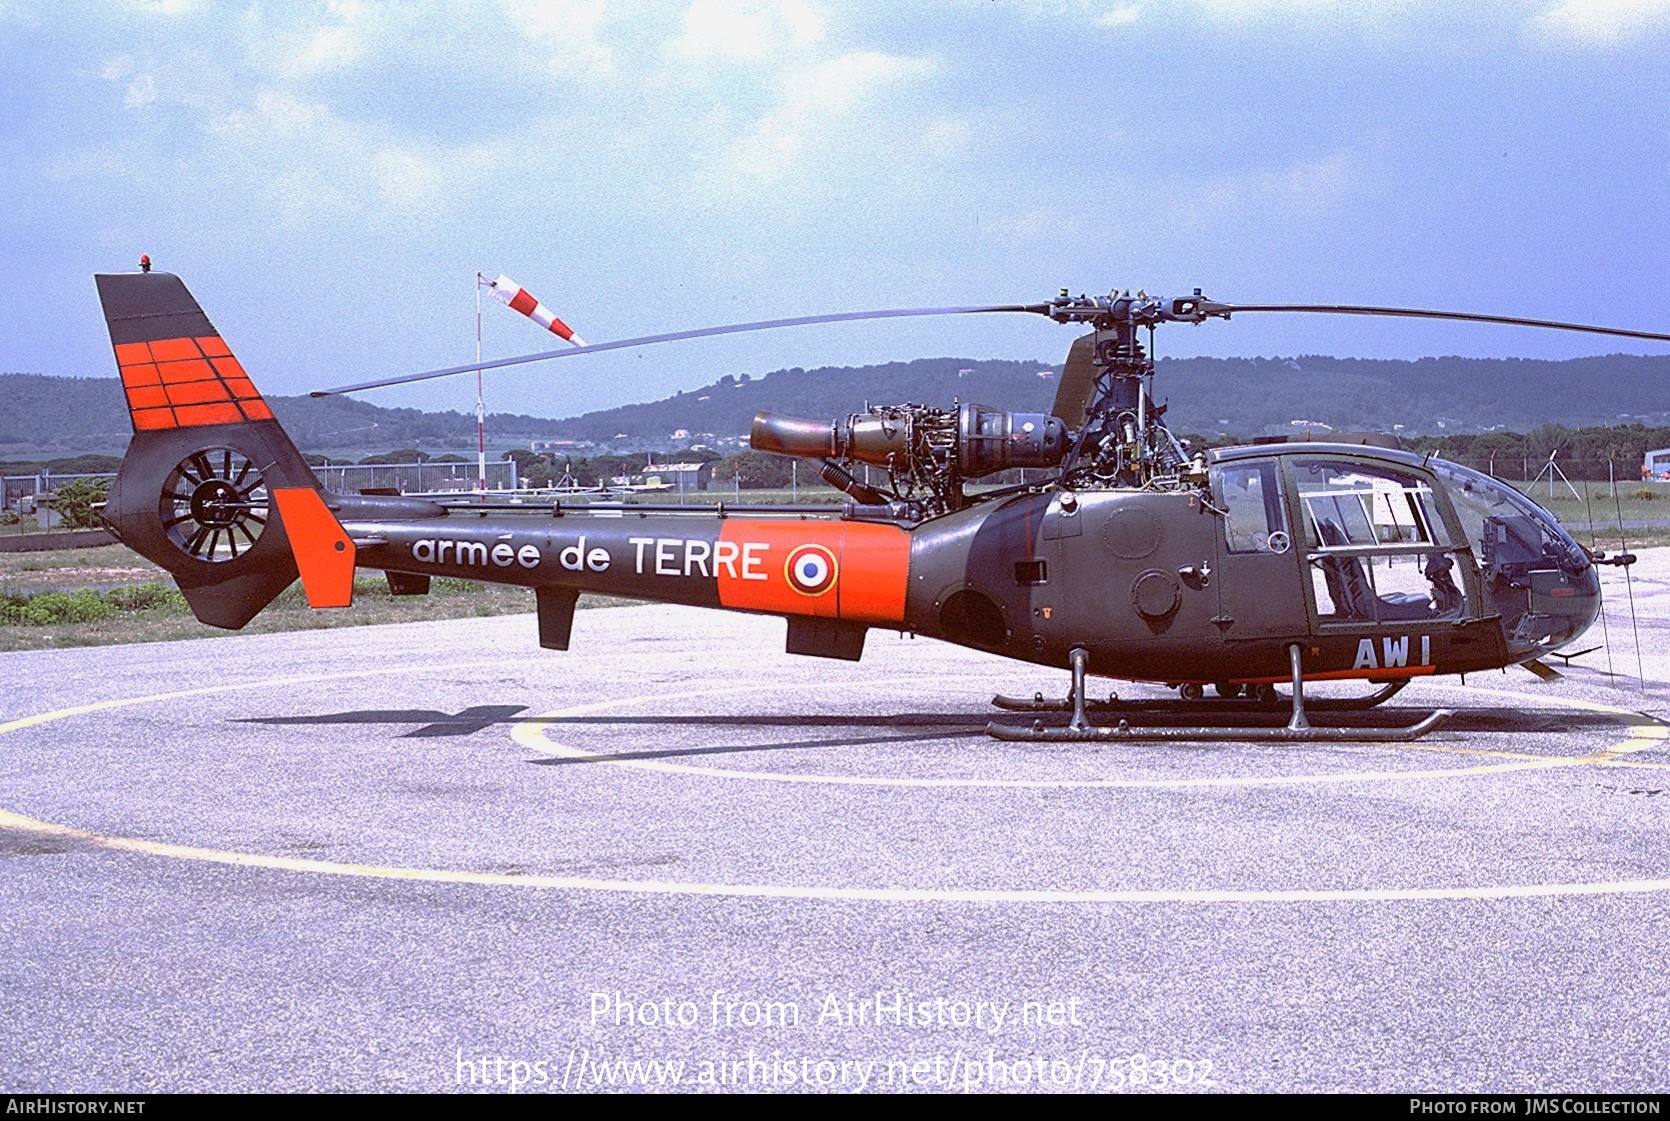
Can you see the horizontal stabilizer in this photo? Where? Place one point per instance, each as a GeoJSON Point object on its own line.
{"type": "Point", "coordinates": [323, 552]}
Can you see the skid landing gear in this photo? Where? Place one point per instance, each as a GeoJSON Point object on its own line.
{"type": "Point", "coordinates": [1263, 696]}
{"type": "Point", "coordinates": [1297, 730]}
{"type": "Point", "coordinates": [1078, 660]}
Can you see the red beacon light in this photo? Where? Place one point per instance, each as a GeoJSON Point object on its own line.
{"type": "Point", "coordinates": [144, 262]}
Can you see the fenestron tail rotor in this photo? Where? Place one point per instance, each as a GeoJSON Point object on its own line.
{"type": "Point", "coordinates": [214, 504]}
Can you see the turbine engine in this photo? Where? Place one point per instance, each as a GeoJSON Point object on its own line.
{"type": "Point", "coordinates": [927, 452]}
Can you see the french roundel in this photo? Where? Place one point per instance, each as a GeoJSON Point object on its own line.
{"type": "Point", "coordinates": [811, 570]}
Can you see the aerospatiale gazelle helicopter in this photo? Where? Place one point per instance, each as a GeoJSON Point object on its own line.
{"type": "Point", "coordinates": [1237, 568]}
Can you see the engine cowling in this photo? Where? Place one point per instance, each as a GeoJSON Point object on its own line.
{"type": "Point", "coordinates": [974, 440]}
{"type": "Point", "coordinates": [991, 440]}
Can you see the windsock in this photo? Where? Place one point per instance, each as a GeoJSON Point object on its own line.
{"type": "Point", "coordinates": [517, 298]}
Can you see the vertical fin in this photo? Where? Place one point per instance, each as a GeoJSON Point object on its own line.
{"type": "Point", "coordinates": [176, 370]}
{"type": "Point", "coordinates": [189, 398]}
{"type": "Point", "coordinates": [323, 552]}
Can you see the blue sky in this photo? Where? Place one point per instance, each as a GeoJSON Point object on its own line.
{"type": "Point", "coordinates": [329, 177]}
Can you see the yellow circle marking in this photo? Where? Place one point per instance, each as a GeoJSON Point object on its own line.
{"type": "Point", "coordinates": [1642, 734]}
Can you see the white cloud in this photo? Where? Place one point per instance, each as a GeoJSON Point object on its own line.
{"type": "Point", "coordinates": [947, 138]}
{"type": "Point", "coordinates": [117, 67]}
{"type": "Point", "coordinates": [335, 45]}
{"type": "Point", "coordinates": [1259, 9]}
{"type": "Point", "coordinates": [569, 30]}
{"type": "Point", "coordinates": [142, 91]}
{"type": "Point", "coordinates": [312, 166]}
{"type": "Point", "coordinates": [745, 29]}
{"type": "Point", "coordinates": [1372, 17]}
{"type": "Point", "coordinates": [1602, 23]}
{"type": "Point", "coordinates": [1307, 189]}
{"type": "Point", "coordinates": [814, 102]}
{"type": "Point", "coordinates": [1120, 16]}
{"type": "Point", "coordinates": [141, 86]}
{"type": "Point", "coordinates": [160, 7]}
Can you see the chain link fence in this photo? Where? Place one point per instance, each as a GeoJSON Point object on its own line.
{"type": "Point", "coordinates": [415, 478]}
{"type": "Point", "coordinates": [407, 478]}
{"type": "Point", "coordinates": [1532, 470]}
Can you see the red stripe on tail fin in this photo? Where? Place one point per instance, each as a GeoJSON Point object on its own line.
{"type": "Point", "coordinates": [161, 336]}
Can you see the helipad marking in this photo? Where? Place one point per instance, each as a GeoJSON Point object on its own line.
{"type": "Point", "coordinates": [1645, 732]}
{"type": "Point", "coordinates": [811, 892]}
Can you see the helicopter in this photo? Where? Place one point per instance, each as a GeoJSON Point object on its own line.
{"type": "Point", "coordinates": [1240, 568]}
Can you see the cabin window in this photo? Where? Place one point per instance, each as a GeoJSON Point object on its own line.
{"type": "Point", "coordinates": [1504, 527]}
{"type": "Point", "coordinates": [1378, 549]}
{"type": "Point", "coordinates": [1350, 505]}
{"type": "Point", "coordinates": [1387, 588]}
{"type": "Point", "coordinates": [1250, 496]}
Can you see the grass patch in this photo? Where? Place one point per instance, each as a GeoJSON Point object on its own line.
{"type": "Point", "coordinates": [84, 605]}
{"type": "Point", "coordinates": [106, 566]}
{"type": "Point", "coordinates": [155, 612]}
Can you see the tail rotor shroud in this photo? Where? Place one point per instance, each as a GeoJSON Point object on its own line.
{"type": "Point", "coordinates": [215, 505]}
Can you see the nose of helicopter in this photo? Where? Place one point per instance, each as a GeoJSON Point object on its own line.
{"type": "Point", "coordinates": [1538, 581]}
{"type": "Point", "coordinates": [1564, 594]}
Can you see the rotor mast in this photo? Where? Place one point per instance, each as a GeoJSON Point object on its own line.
{"type": "Point", "coordinates": [1122, 439]}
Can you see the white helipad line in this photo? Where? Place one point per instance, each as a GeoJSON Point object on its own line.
{"type": "Point", "coordinates": [11, 820]}
{"type": "Point", "coordinates": [813, 892]}
{"type": "Point", "coordinates": [531, 734]}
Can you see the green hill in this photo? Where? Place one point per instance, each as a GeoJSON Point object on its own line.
{"type": "Point", "coordinates": [1247, 396]}
{"type": "Point", "coordinates": [43, 416]}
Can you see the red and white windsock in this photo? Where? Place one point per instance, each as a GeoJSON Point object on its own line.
{"type": "Point", "coordinates": [517, 298]}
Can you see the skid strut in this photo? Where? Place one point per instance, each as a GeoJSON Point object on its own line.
{"type": "Point", "coordinates": [1040, 703]}
{"type": "Point", "coordinates": [1078, 660]}
{"type": "Point", "coordinates": [1297, 730]}
{"type": "Point", "coordinates": [1297, 723]}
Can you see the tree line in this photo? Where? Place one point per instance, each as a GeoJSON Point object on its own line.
{"type": "Point", "coordinates": [1582, 453]}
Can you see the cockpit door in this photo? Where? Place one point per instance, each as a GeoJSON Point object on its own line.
{"type": "Point", "coordinates": [1377, 551]}
{"type": "Point", "coordinates": [1260, 575]}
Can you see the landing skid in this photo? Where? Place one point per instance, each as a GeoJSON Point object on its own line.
{"type": "Point", "coordinates": [1123, 731]}
{"type": "Point", "coordinates": [1297, 730]}
{"type": "Point", "coordinates": [1040, 703]}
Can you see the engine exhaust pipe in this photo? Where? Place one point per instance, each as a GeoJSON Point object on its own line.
{"type": "Point", "coordinates": [788, 435]}
{"type": "Point", "coordinates": [867, 439]}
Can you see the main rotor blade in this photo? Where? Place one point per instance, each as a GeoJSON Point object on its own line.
{"type": "Point", "coordinates": [675, 336]}
{"type": "Point", "coordinates": [1468, 317]}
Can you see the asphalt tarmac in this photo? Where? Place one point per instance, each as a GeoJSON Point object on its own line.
{"type": "Point", "coordinates": [435, 857]}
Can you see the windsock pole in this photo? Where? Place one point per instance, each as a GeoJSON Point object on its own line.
{"type": "Point", "coordinates": [480, 406]}
{"type": "Point", "coordinates": [517, 299]}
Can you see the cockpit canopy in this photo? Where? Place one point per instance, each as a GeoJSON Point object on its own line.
{"type": "Point", "coordinates": [1382, 544]}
